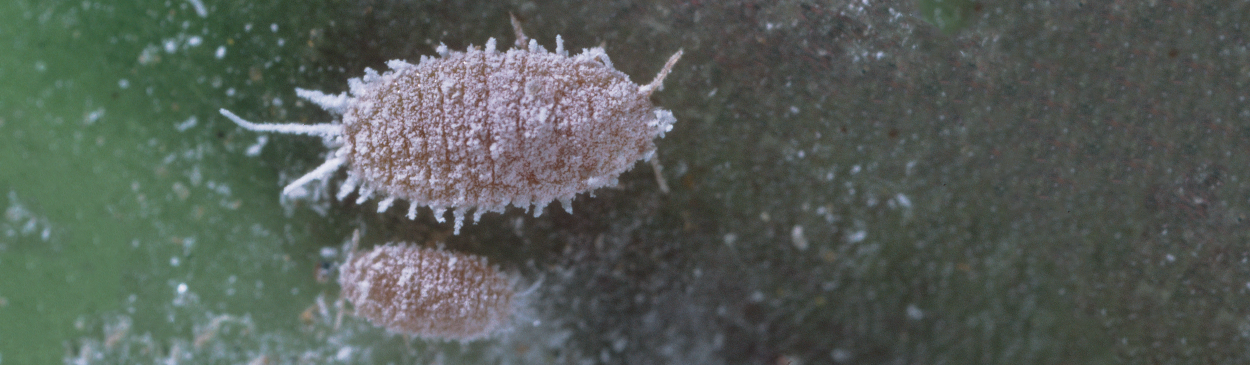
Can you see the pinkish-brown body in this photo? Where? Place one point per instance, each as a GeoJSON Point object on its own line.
{"type": "Point", "coordinates": [484, 129]}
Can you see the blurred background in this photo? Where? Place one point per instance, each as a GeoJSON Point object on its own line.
{"type": "Point", "coordinates": [852, 182]}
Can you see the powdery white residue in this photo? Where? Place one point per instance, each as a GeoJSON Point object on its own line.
{"type": "Point", "coordinates": [199, 8]}
{"type": "Point", "coordinates": [93, 116]}
{"type": "Point", "coordinates": [20, 221]}
{"type": "Point", "coordinates": [426, 292]}
{"type": "Point", "coordinates": [797, 238]}
{"type": "Point", "coordinates": [186, 124]}
{"type": "Point", "coordinates": [254, 149]}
